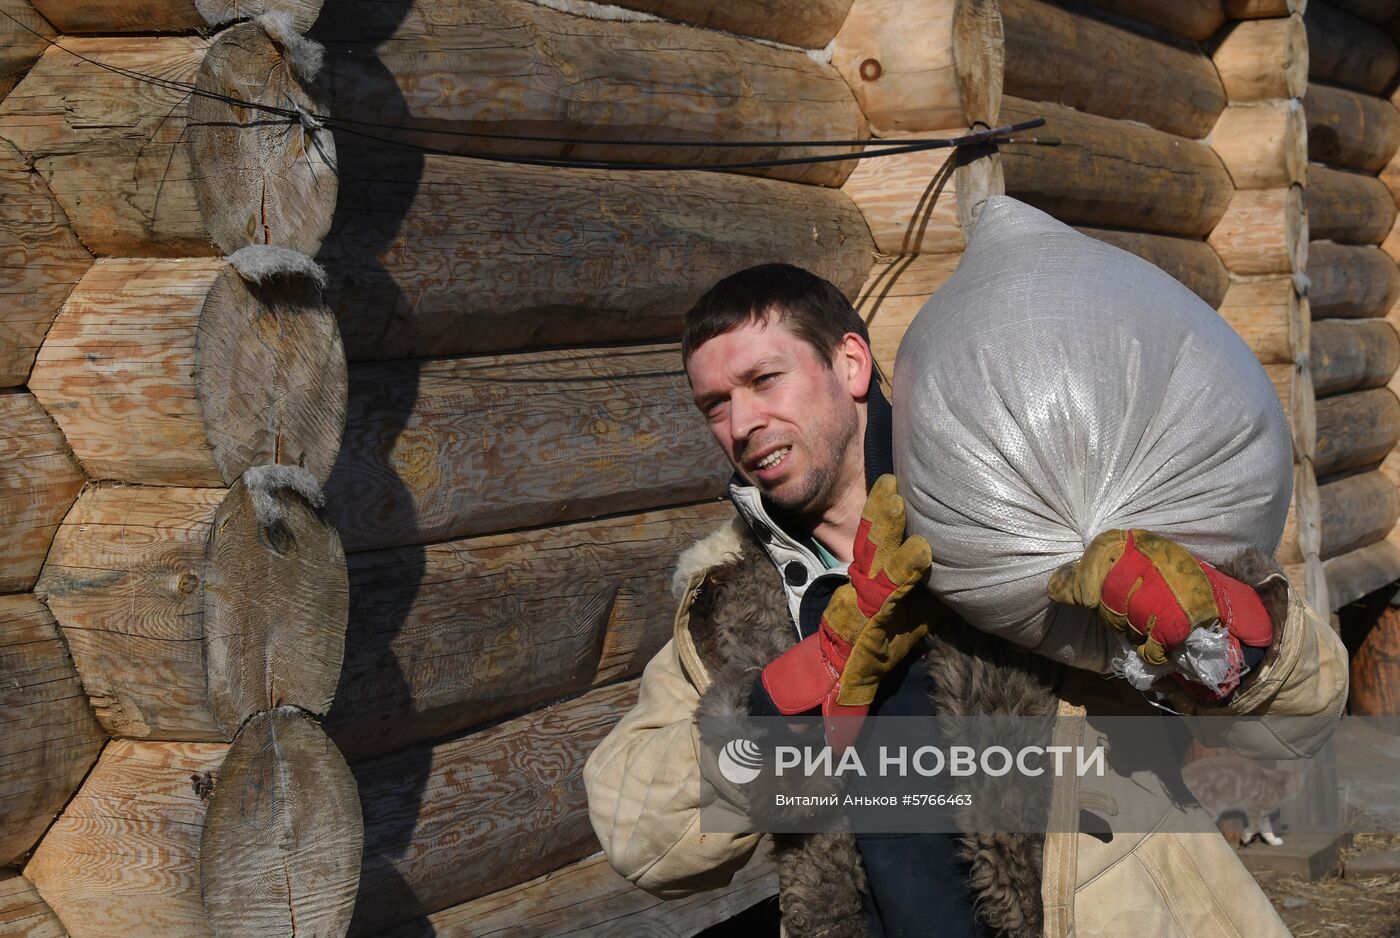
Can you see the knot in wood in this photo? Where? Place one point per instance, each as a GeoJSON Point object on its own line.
{"type": "Point", "coordinates": [870, 69]}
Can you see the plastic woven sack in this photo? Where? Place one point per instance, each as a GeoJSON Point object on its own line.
{"type": "Point", "coordinates": [1056, 387]}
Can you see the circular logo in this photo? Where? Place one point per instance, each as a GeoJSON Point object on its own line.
{"type": "Point", "coordinates": [740, 761]}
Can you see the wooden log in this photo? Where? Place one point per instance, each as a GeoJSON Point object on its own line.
{"type": "Point", "coordinates": [941, 68]}
{"type": "Point", "coordinates": [1352, 356]}
{"type": "Point", "coordinates": [1302, 531]}
{"type": "Point", "coordinates": [1347, 207]}
{"type": "Point", "coordinates": [1114, 174]}
{"type": "Point", "coordinates": [809, 24]}
{"type": "Point", "coordinates": [923, 202]}
{"type": "Point", "coordinates": [42, 262]}
{"type": "Point", "coordinates": [167, 16]}
{"type": "Point", "coordinates": [280, 849]}
{"type": "Point", "coordinates": [1350, 282]}
{"type": "Point", "coordinates": [123, 859]}
{"type": "Point", "coordinates": [451, 635]}
{"type": "Point", "coordinates": [178, 372]}
{"type": "Point", "coordinates": [1263, 59]}
{"type": "Point", "coordinates": [1194, 263]}
{"type": "Point", "coordinates": [1263, 144]}
{"type": "Point", "coordinates": [48, 737]}
{"type": "Point", "coordinates": [895, 291]}
{"type": "Point", "coordinates": [183, 631]}
{"type": "Point", "coordinates": [151, 170]}
{"type": "Point", "coordinates": [1262, 9]}
{"type": "Point", "coordinates": [23, 912]}
{"type": "Point", "coordinates": [1351, 576]}
{"type": "Point", "coordinates": [39, 479]}
{"type": "Point", "coordinates": [1172, 87]}
{"type": "Point", "coordinates": [556, 436]}
{"type": "Point", "coordinates": [438, 69]}
{"type": "Point", "coordinates": [1356, 511]}
{"type": "Point", "coordinates": [589, 898]}
{"type": "Point", "coordinates": [1350, 129]}
{"type": "Point", "coordinates": [1190, 19]}
{"type": "Point", "coordinates": [1391, 245]}
{"type": "Point", "coordinates": [1268, 316]}
{"type": "Point", "coordinates": [464, 818]}
{"type": "Point", "coordinates": [1375, 691]}
{"type": "Point", "coordinates": [1293, 395]}
{"type": "Point", "coordinates": [22, 40]}
{"type": "Point", "coordinates": [1264, 231]}
{"type": "Point", "coordinates": [1344, 50]}
{"type": "Point", "coordinates": [1355, 431]}
{"type": "Point", "coordinates": [507, 257]}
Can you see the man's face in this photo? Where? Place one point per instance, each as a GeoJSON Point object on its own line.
{"type": "Point", "coordinates": [788, 421]}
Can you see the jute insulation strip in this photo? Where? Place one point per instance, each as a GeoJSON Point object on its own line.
{"type": "Point", "coordinates": [148, 169]}
{"type": "Point", "coordinates": [185, 616]}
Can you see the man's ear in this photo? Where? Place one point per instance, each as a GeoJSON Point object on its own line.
{"type": "Point", "coordinates": [855, 362]}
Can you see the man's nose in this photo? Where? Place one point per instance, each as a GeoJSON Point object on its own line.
{"type": "Point", "coordinates": [745, 417]}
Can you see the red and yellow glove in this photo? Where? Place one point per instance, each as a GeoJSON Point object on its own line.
{"type": "Point", "coordinates": [866, 630]}
{"type": "Point", "coordinates": [1175, 609]}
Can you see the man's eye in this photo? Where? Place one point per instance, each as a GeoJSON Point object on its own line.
{"type": "Point", "coordinates": [766, 378]}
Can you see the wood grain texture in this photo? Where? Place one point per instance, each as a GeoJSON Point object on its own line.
{"type": "Point", "coordinates": [177, 372]}
{"type": "Point", "coordinates": [1349, 208]}
{"type": "Point", "coordinates": [40, 261]}
{"type": "Point", "coordinates": [910, 201]}
{"type": "Point", "coordinates": [1352, 356]}
{"type": "Point", "coordinates": [276, 601]}
{"type": "Point", "coordinates": [941, 68]}
{"type": "Point", "coordinates": [809, 24]}
{"type": "Point", "coordinates": [1264, 231]}
{"type": "Point", "coordinates": [23, 912]}
{"type": "Point", "coordinates": [437, 69]}
{"type": "Point", "coordinates": [280, 849]}
{"type": "Point", "coordinates": [895, 291]}
{"type": "Point", "coordinates": [1375, 683]}
{"type": "Point", "coordinates": [1193, 263]}
{"type": "Point", "coordinates": [22, 40]}
{"type": "Point", "coordinates": [1262, 9]}
{"type": "Point", "coordinates": [1353, 575]}
{"type": "Point", "coordinates": [448, 823]}
{"type": "Point", "coordinates": [123, 859]}
{"type": "Point", "coordinates": [48, 735]}
{"type": "Point", "coordinates": [1357, 511]}
{"type": "Point", "coordinates": [452, 635]}
{"type": "Point", "coordinates": [1263, 59]}
{"type": "Point", "coordinates": [1268, 316]}
{"type": "Point", "coordinates": [447, 256]}
{"type": "Point", "coordinates": [1344, 50]}
{"type": "Point", "coordinates": [125, 580]}
{"type": "Point", "coordinates": [145, 169]}
{"type": "Point", "coordinates": [1350, 129]}
{"type": "Point", "coordinates": [587, 899]}
{"type": "Point", "coordinates": [1131, 76]}
{"type": "Point", "coordinates": [1114, 174]}
{"type": "Point", "coordinates": [1302, 531]}
{"type": "Point", "coordinates": [162, 16]}
{"type": "Point", "coordinates": [1190, 19]}
{"type": "Point", "coordinates": [39, 479]}
{"type": "Point", "coordinates": [1263, 144]}
{"type": "Point", "coordinates": [1355, 431]}
{"type": "Point", "coordinates": [447, 448]}
{"type": "Point", "coordinates": [1350, 281]}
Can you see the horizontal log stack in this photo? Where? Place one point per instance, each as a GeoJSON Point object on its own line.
{"type": "Point", "coordinates": [173, 619]}
{"type": "Point", "coordinates": [1353, 134]}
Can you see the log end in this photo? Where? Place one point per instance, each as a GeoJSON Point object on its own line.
{"type": "Point", "coordinates": [276, 604]}
{"type": "Point", "coordinates": [280, 851]}
{"type": "Point", "coordinates": [259, 178]}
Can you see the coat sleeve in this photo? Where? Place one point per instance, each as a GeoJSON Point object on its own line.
{"type": "Point", "coordinates": [643, 785]}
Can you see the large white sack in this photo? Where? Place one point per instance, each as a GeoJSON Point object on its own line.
{"type": "Point", "coordinates": [1056, 387]}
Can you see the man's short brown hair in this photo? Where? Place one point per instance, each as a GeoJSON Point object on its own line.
{"type": "Point", "coordinates": [813, 308]}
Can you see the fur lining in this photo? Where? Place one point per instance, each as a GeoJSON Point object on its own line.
{"type": "Point", "coordinates": [739, 622]}
{"type": "Point", "coordinates": [715, 548]}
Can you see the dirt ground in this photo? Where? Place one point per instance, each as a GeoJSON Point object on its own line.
{"type": "Point", "coordinates": [1357, 908]}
